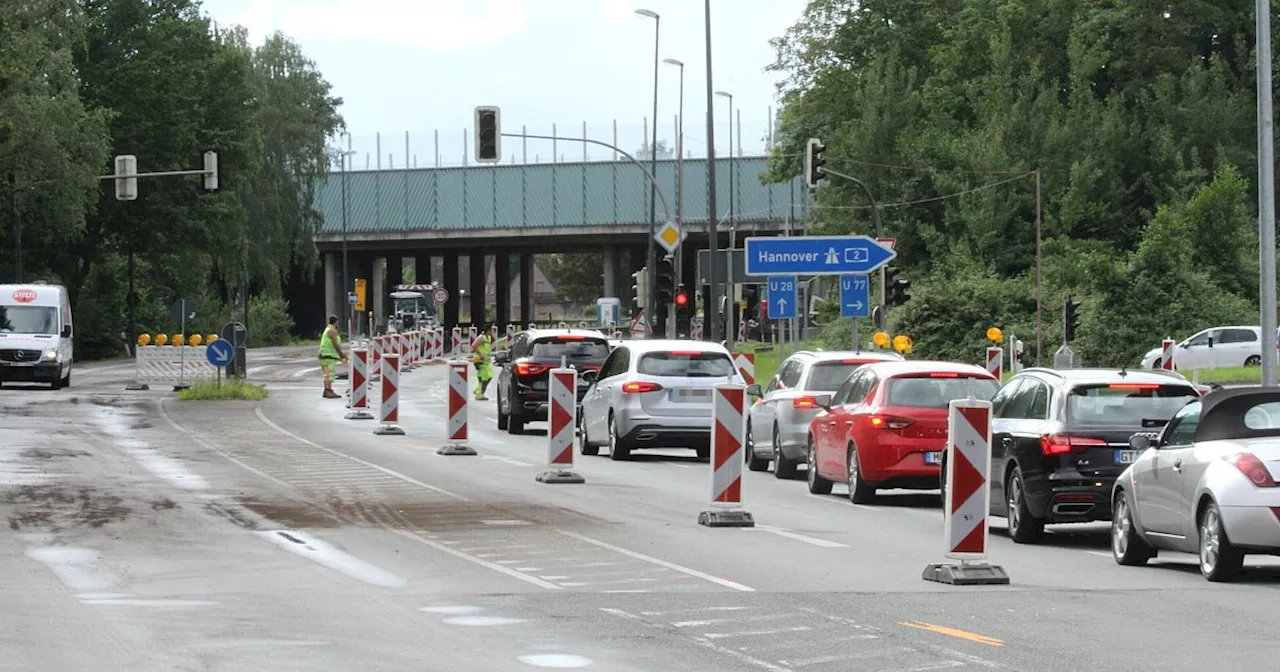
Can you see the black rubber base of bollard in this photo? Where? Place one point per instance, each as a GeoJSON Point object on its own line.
{"type": "Point", "coordinates": [972, 574]}
{"type": "Point", "coordinates": [389, 430]}
{"type": "Point", "coordinates": [359, 415]}
{"type": "Point", "coordinates": [555, 476]}
{"type": "Point", "coordinates": [715, 518]}
{"type": "Point", "coordinates": [454, 449]}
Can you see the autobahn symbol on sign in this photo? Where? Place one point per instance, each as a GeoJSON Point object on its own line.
{"type": "Point", "coordinates": [855, 296]}
{"type": "Point", "coordinates": [782, 297]}
{"type": "Point", "coordinates": [815, 255]}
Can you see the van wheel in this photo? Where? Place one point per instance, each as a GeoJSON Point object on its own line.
{"type": "Point", "coordinates": [66, 380]}
{"type": "Point", "coordinates": [56, 384]}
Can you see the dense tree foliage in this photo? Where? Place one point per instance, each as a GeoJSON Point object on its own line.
{"type": "Point", "coordinates": [82, 81]}
{"type": "Point", "coordinates": [1139, 116]}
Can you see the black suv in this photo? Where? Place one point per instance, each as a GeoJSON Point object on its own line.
{"type": "Point", "coordinates": [526, 363]}
{"type": "Point", "coordinates": [1059, 439]}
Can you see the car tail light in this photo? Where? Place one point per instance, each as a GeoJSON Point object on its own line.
{"type": "Point", "coordinates": [527, 369]}
{"type": "Point", "coordinates": [640, 387]}
{"type": "Point", "coordinates": [1252, 467]}
{"type": "Point", "coordinates": [804, 402]}
{"type": "Point", "coordinates": [1134, 386]}
{"type": "Point", "coordinates": [855, 361]}
{"type": "Point", "coordinates": [889, 422]}
{"type": "Point", "coordinates": [1061, 444]}
{"type": "Point", "coordinates": [571, 338]}
{"type": "Point", "coordinates": [944, 374]}
{"type": "Point", "coordinates": [686, 353]}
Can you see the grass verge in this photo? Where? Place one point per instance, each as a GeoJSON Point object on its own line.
{"type": "Point", "coordinates": [1234, 374]}
{"type": "Point", "coordinates": [233, 389]}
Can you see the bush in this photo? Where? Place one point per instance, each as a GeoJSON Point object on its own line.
{"type": "Point", "coordinates": [269, 322]}
{"type": "Point", "coordinates": [233, 389]}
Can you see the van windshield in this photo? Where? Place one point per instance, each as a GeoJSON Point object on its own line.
{"type": "Point", "coordinates": [28, 320]}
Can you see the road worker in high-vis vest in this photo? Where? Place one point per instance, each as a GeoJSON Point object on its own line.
{"type": "Point", "coordinates": [331, 355]}
{"type": "Point", "coordinates": [484, 371]}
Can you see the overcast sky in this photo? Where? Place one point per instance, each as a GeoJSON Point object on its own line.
{"type": "Point", "coordinates": [423, 65]}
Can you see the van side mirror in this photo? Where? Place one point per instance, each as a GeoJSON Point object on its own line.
{"type": "Point", "coordinates": [1140, 442]}
{"type": "Point", "coordinates": [66, 331]}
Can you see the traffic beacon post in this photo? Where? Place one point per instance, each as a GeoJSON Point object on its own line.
{"type": "Point", "coordinates": [728, 429]}
{"type": "Point", "coordinates": [390, 411]}
{"type": "Point", "coordinates": [967, 497]}
{"type": "Point", "coordinates": [995, 353]}
{"type": "Point", "coordinates": [358, 401]}
{"type": "Point", "coordinates": [456, 425]}
{"type": "Point", "coordinates": [561, 422]}
{"type": "Point", "coordinates": [1166, 354]}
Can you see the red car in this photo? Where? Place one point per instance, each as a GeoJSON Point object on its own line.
{"type": "Point", "coordinates": [886, 426]}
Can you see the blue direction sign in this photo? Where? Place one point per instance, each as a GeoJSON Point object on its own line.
{"type": "Point", "coordinates": [219, 353]}
{"type": "Point", "coordinates": [815, 255]}
{"type": "Point", "coordinates": [353, 298]}
{"type": "Point", "coordinates": [782, 297]}
{"type": "Point", "coordinates": [855, 296]}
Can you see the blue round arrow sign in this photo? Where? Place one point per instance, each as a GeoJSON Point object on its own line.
{"type": "Point", "coordinates": [219, 353]}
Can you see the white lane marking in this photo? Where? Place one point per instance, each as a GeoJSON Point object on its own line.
{"type": "Point", "coordinates": [306, 372]}
{"type": "Point", "coordinates": [442, 546]}
{"type": "Point", "coordinates": [841, 502]}
{"type": "Point", "coordinates": [560, 660]}
{"type": "Point", "coordinates": [162, 466]}
{"type": "Point", "coordinates": [481, 621]}
{"type": "Point", "coordinates": [763, 664]}
{"type": "Point", "coordinates": [256, 643]}
{"type": "Point", "coordinates": [507, 460]}
{"type": "Point", "coordinates": [75, 567]}
{"type": "Point", "coordinates": [630, 590]}
{"type": "Point", "coordinates": [211, 446]}
{"type": "Point", "coordinates": [661, 563]}
{"type": "Point", "coordinates": [746, 619]}
{"type": "Point", "coordinates": [579, 584]}
{"type": "Point", "coordinates": [314, 549]}
{"type": "Point", "coordinates": [452, 609]}
{"type": "Point", "coordinates": [389, 472]}
{"type": "Point", "coordinates": [694, 610]}
{"type": "Point", "coordinates": [1101, 554]}
{"type": "Point", "coordinates": [822, 543]}
{"type": "Point", "coordinates": [821, 660]}
{"type": "Point", "coordinates": [137, 602]}
{"type": "Point", "coordinates": [755, 633]}
{"type": "Point", "coordinates": [941, 665]}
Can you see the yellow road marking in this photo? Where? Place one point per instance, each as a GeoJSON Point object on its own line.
{"type": "Point", "coordinates": [952, 632]}
{"type": "Point", "coordinates": [415, 446]}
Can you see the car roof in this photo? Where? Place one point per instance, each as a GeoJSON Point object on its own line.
{"type": "Point", "coordinates": [835, 355]}
{"type": "Point", "coordinates": [1222, 413]}
{"type": "Point", "coordinates": [553, 333]}
{"type": "Point", "coordinates": [892, 368]}
{"type": "Point", "coordinates": [664, 344]}
{"type": "Point", "coordinates": [1095, 376]}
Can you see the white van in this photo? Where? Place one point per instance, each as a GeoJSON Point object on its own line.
{"type": "Point", "coordinates": [35, 335]}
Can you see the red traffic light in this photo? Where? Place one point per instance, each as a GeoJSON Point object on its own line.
{"type": "Point", "coordinates": [682, 299]}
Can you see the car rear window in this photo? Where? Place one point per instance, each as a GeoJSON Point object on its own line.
{"type": "Point", "coordinates": [1127, 404]}
{"type": "Point", "coordinates": [937, 390]}
{"type": "Point", "coordinates": [685, 364]}
{"type": "Point", "coordinates": [571, 348]}
{"type": "Point", "coordinates": [828, 376]}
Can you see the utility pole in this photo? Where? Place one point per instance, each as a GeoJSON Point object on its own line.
{"type": "Point", "coordinates": [712, 233]}
{"type": "Point", "coordinates": [1266, 196]}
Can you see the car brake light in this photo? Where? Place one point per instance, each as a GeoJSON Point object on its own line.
{"type": "Point", "coordinates": [804, 402]}
{"type": "Point", "coordinates": [1061, 444]}
{"type": "Point", "coordinates": [527, 369]}
{"type": "Point", "coordinates": [855, 361]}
{"type": "Point", "coordinates": [889, 422]}
{"type": "Point", "coordinates": [571, 338]}
{"type": "Point", "coordinates": [1133, 386]}
{"type": "Point", "coordinates": [944, 374]}
{"type": "Point", "coordinates": [686, 353]}
{"type": "Point", "coordinates": [1251, 466]}
{"type": "Point", "coordinates": [640, 386]}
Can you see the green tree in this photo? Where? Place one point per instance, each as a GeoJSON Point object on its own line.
{"type": "Point", "coordinates": [577, 277]}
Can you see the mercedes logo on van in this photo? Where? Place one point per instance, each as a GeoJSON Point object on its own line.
{"type": "Point", "coordinates": [19, 355]}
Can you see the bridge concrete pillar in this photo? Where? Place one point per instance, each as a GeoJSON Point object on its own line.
{"type": "Point", "coordinates": [526, 289]}
{"type": "Point", "coordinates": [478, 290]}
{"type": "Point", "coordinates": [377, 299]}
{"type": "Point", "coordinates": [331, 281]}
{"type": "Point", "coordinates": [395, 270]}
{"type": "Point", "coordinates": [450, 282]}
{"type": "Point", "coordinates": [610, 270]}
{"type": "Point", "coordinates": [502, 289]}
{"type": "Point", "coordinates": [422, 268]}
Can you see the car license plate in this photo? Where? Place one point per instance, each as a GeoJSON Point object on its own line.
{"type": "Point", "coordinates": [688, 396]}
{"type": "Point", "coordinates": [1127, 456]}
{"type": "Point", "coordinates": [933, 458]}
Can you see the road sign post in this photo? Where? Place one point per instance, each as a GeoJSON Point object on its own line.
{"type": "Point", "coordinates": [815, 255]}
{"type": "Point", "coordinates": [783, 297]}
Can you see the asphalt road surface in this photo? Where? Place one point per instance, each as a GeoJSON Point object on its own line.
{"type": "Point", "coordinates": [150, 534]}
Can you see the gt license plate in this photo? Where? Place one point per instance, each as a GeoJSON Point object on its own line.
{"type": "Point", "coordinates": [689, 396]}
{"type": "Point", "coordinates": [1126, 456]}
{"type": "Point", "coordinates": [933, 458]}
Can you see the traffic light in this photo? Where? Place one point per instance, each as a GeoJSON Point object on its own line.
{"type": "Point", "coordinates": [640, 289]}
{"type": "Point", "coordinates": [210, 171]}
{"type": "Point", "coordinates": [666, 284]}
{"type": "Point", "coordinates": [488, 134]}
{"type": "Point", "coordinates": [684, 312]}
{"type": "Point", "coordinates": [813, 162]}
{"type": "Point", "coordinates": [895, 288]}
{"type": "Point", "coordinates": [1070, 319]}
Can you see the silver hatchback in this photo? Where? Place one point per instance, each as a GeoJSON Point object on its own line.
{"type": "Point", "coordinates": [778, 424]}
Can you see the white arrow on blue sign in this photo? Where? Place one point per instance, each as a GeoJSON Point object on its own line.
{"type": "Point", "coordinates": [782, 297]}
{"type": "Point", "coordinates": [219, 353]}
{"type": "Point", "coordinates": [815, 255]}
{"type": "Point", "coordinates": [855, 296]}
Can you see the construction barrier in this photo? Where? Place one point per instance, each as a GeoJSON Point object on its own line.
{"type": "Point", "coordinates": [745, 362]}
{"type": "Point", "coordinates": [1166, 354]}
{"type": "Point", "coordinates": [493, 333]}
{"type": "Point", "coordinates": [995, 361]}
{"type": "Point", "coordinates": [358, 400]}
{"type": "Point", "coordinates": [966, 501]}
{"type": "Point", "coordinates": [511, 333]}
{"type": "Point", "coordinates": [616, 334]}
{"type": "Point", "coordinates": [561, 420]}
{"type": "Point", "coordinates": [175, 365]}
{"type": "Point", "coordinates": [728, 433]}
{"type": "Point", "coordinates": [375, 358]}
{"type": "Point", "coordinates": [473, 335]}
{"type": "Point", "coordinates": [390, 414]}
{"type": "Point", "coordinates": [439, 343]}
{"type": "Point", "coordinates": [533, 325]}
{"type": "Point", "coordinates": [456, 349]}
{"type": "Point", "coordinates": [742, 330]}
{"type": "Point", "coordinates": [456, 425]}
{"type": "Point", "coordinates": [697, 330]}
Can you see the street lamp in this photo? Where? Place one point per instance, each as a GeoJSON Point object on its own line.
{"type": "Point", "coordinates": [713, 234]}
{"type": "Point", "coordinates": [679, 168]}
{"type": "Point", "coordinates": [733, 233]}
{"type": "Point", "coordinates": [653, 169]}
{"type": "Point", "coordinates": [346, 279]}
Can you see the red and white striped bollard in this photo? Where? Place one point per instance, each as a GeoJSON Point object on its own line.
{"type": "Point", "coordinates": [456, 423]}
{"type": "Point", "coordinates": [561, 422]}
{"type": "Point", "coordinates": [728, 434]}
{"type": "Point", "coordinates": [390, 414]}
{"type": "Point", "coordinates": [1167, 351]}
{"type": "Point", "coordinates": [358, 401]}
{"type": "Point", "coordinates": [995, 361]}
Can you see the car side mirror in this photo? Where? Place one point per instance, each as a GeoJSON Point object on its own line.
{"type": "Point", "coordinates": [823, 400]}
{"type": "Point", "coordinates": [66, 331]}
{"type": "Point", "coordinates": [1140, 442]}
{"type": "Point", "coordinates": [755, 391]}
{"type": "Point", "coordinates": [501, 357]}
{"type": "Point", "coordinates": [590, 375]}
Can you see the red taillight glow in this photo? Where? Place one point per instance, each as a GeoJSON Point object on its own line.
{"type": "Point", "coordinates": [1061, 444]}
{"type": "Point", "coordinates": [1253, 468]}
{"type": "Point", "coordinates": [686, 353]}
{"type": "Point", "coordinates": [1133, 386]}
{"type": "Point", "coordinates": [641, 386]}
{"type": "Point", "coordinates": [889, 422]}
{"type": "Point", "coordinates": [944, 374]}
{"type": "Point", "coordinates": [804, 402]}
{"type": "Point", "coordinates": [855, 361]}
{"type": "Point", "coordinates": [527, 369]}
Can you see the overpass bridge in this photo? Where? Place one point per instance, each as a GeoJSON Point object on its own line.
{"type": "Point", "coordinates": [508, 213]}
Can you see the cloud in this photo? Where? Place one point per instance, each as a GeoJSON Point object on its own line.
{"type": "Point", "coordinates": [433, 25]}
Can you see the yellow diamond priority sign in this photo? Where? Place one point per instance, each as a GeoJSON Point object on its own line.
{"type": "Point", "coordinates": [669, 236]}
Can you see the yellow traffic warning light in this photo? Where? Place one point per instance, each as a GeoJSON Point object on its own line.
{"type": "Point", "coordinates": [995, 335]}
{"type": "Point", "coordinates": [196, 339]}
{"type": "Point", "coordinates": [162, 339]}
{"type": "Point", "coordinates": [902, 343]}
{"type": "Point", "coordinates": [881, 339]}
{"type": "Point", "coordinates": [144, 339]}
{"type": "Point", "coordinates": [210, 338]}
{"type": "Point", "coordinates": [178, 339]}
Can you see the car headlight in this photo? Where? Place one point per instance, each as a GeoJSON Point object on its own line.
{"type": "Point", "coordinates": [51, 355]}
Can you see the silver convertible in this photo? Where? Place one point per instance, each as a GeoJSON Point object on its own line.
{"type": "Point", "coordinates": [1206, 484]}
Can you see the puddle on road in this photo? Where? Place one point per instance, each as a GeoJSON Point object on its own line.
{"type": "Point", "coordinates": [56, 508]}
{"type": "Point", "coordinates": [416, 515]}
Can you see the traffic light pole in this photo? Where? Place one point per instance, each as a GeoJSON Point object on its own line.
{"type": "Point", "coordinates": [875, 213]}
